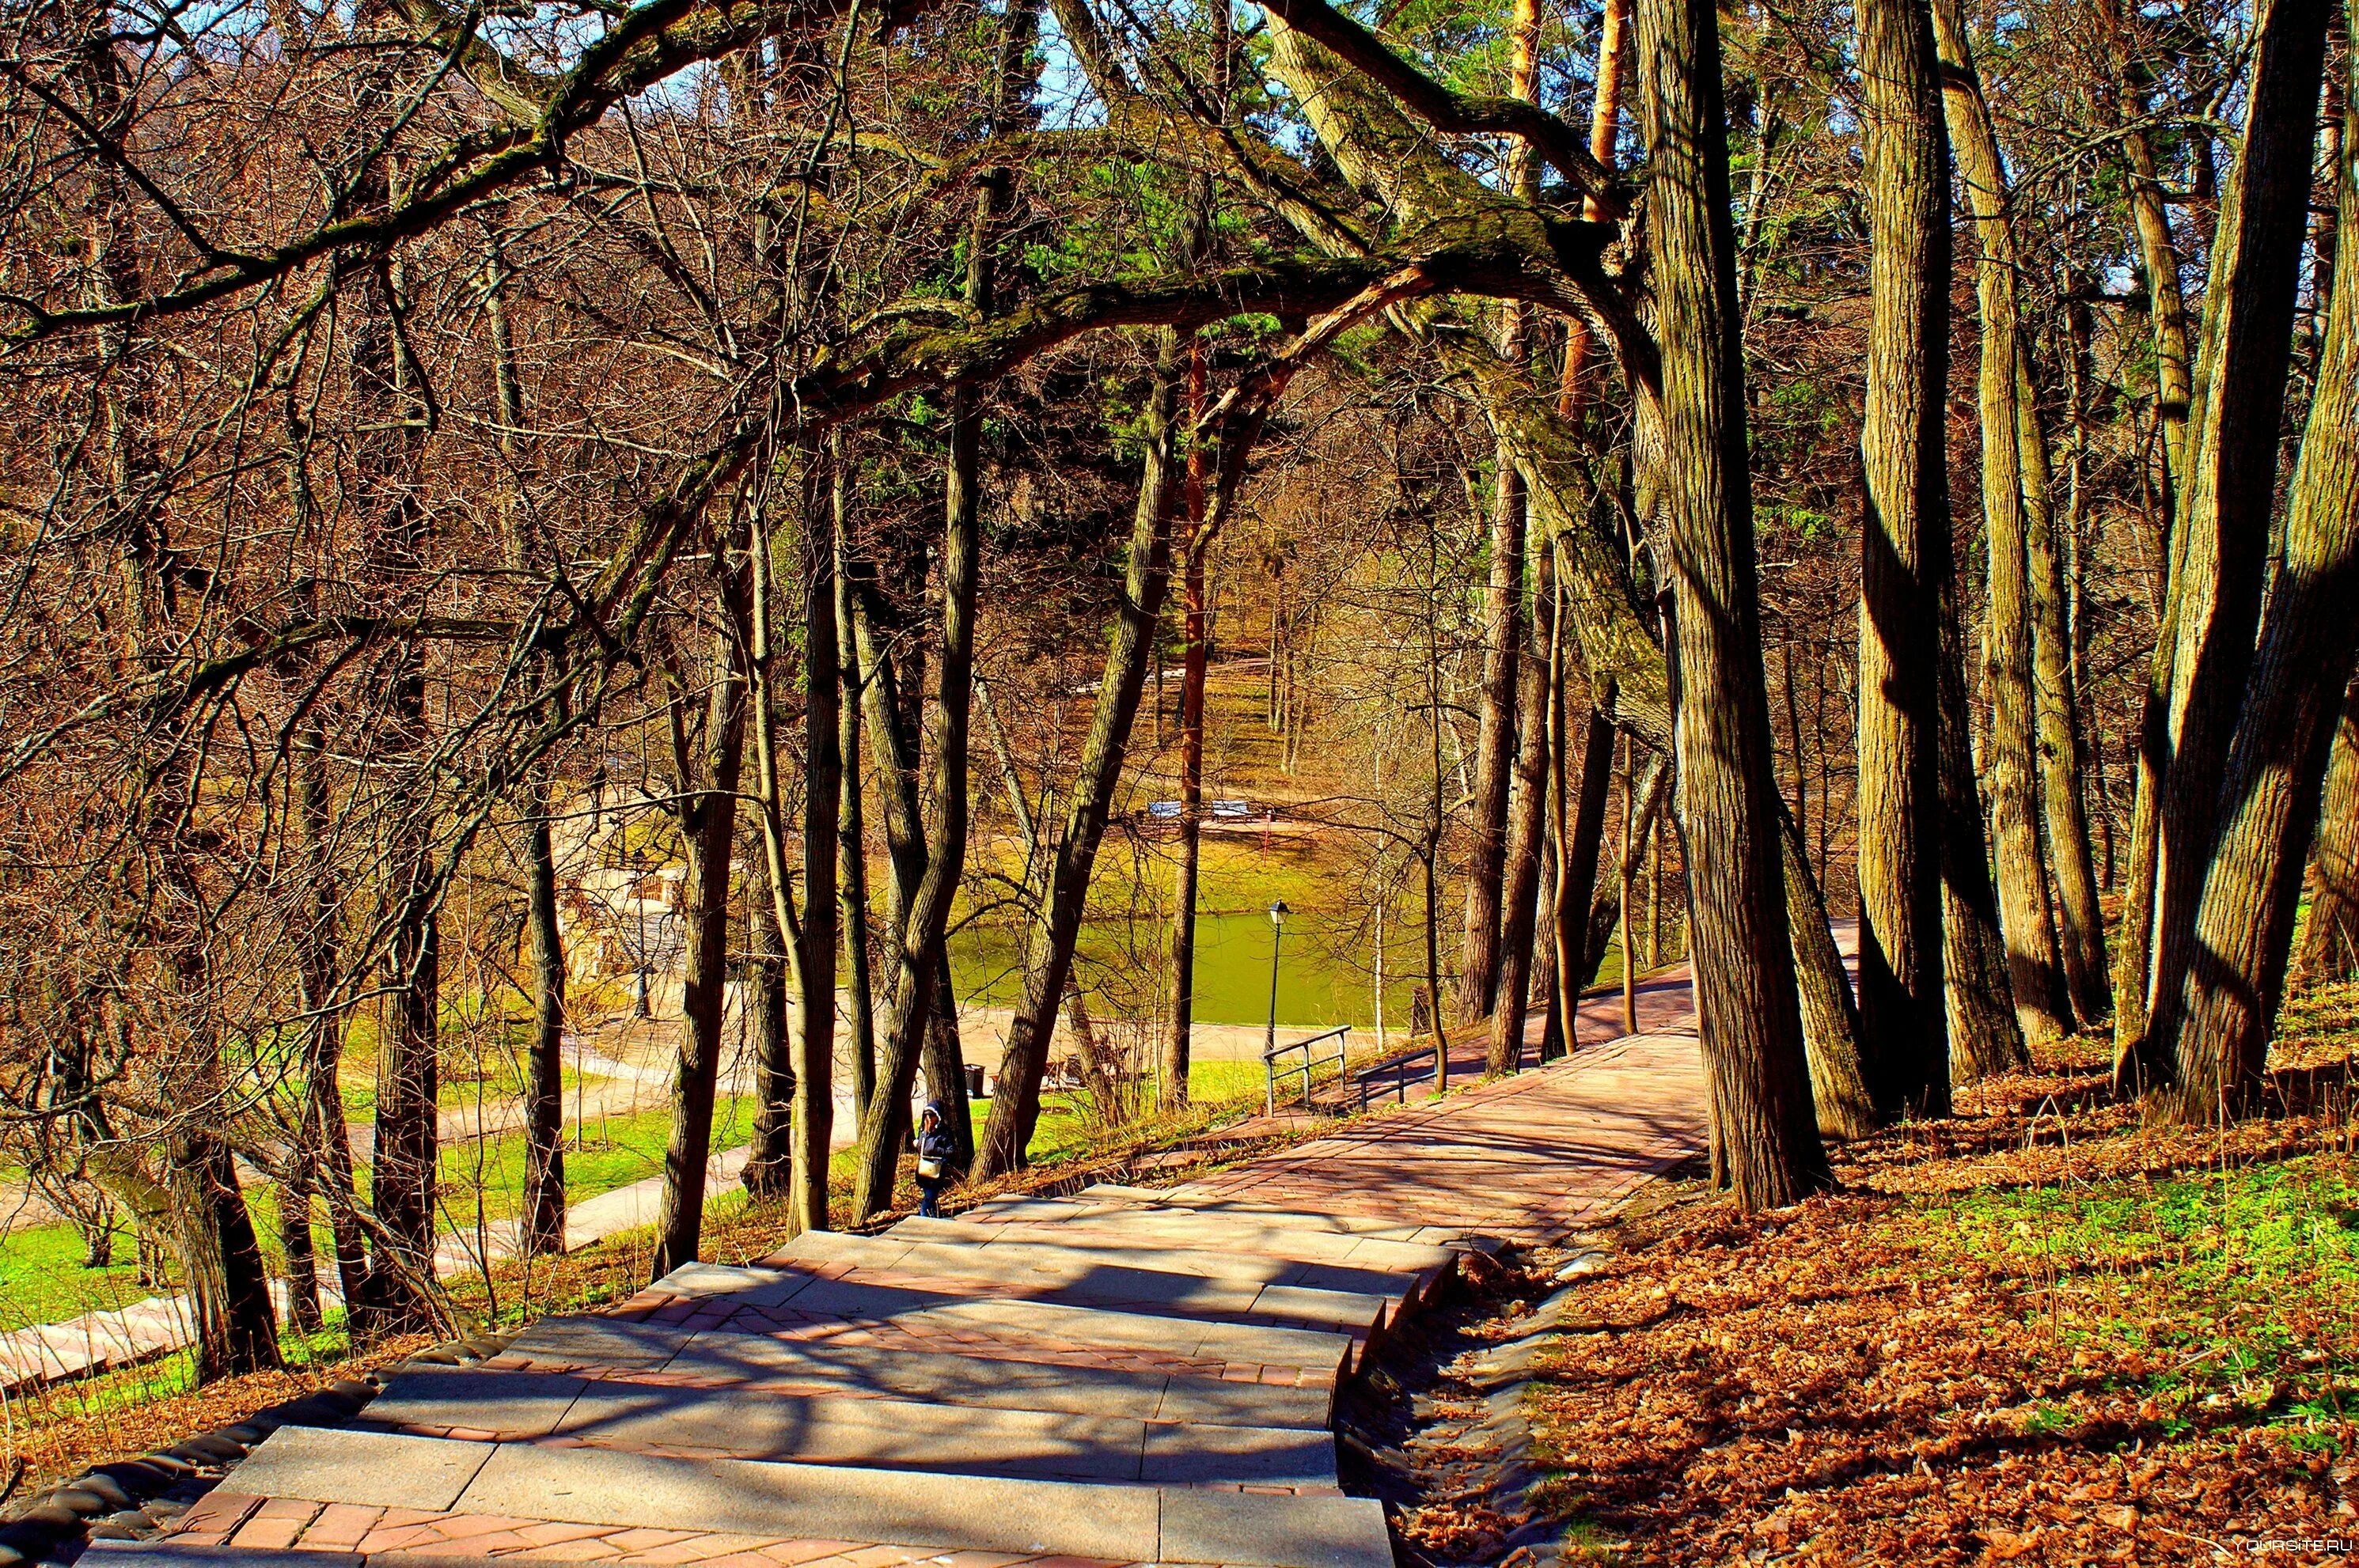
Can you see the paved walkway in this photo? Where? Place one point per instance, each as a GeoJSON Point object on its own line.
{"type": "Point", "coordinates": [1124, 1376]}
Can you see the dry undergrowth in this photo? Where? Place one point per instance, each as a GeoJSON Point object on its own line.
{"type": "Point", "coordinates": [2038, 1332]}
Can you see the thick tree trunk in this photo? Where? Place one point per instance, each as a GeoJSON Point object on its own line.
{"type": "Point", "coordinates": [1905, 542]}
{"type": "Point", "coordinates": [708, 821]}
{"type": "Point", "coordinates": [1057, 908]}
{"type": "Point", "coordinates": [1985, 1035]}
{"type": "Point", "coordinates": [2079, 919]}
{"type": "Point", "coordinates": [2035, 974]}
{"type": "Point", "coordinates": [2216, 1028]}
{"type": "Point", "coordinates": [2330, 944]}
{"type": "Point", "coordinates": [2174, 407]}
{"type": "Point", "coordinates": [1728, 810]}
{"type": "Point", "coordinates": [2225, 504]}
{"type": "Point", "coordinates": [237, 1332]}
{"type": "Point", "coordinates": [543, 1220]}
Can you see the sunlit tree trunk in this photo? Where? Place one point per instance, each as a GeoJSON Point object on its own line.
{"type": "Point", "coordinates": [707, 812]}
{"type": "Point", "coordinates": [1904, 560]}
{"type": "Point", "coordinates": [1751, 1020]}
{"type": "Point", "coordinates": [2216, 1028]}
{"type": "Point", "coordinates": [2225, 504]}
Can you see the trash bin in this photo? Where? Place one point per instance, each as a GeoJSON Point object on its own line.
{"type": "Point", "coordinates": [974, 1080]}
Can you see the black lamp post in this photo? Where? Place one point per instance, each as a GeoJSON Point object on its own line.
{"type": "Point", "coordinates": [1278, 913]}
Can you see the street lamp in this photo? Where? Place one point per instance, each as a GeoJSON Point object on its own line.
{"type": "Point", "coordinates": [1278, 913]}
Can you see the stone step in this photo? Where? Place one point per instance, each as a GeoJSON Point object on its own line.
{"type": "Point", "coordinates": [1062, 1219]}
{"type": "Point", "coordinates": [698, 1298]}
{"type": "Point", "coordinates": [919, 1355]}
{"type": "Point", "coordinates": [511, 1485]}
{"type": "Point", "coordinates": [1117, 1195]}
{"type": "Point", "coordinates": [1078, 1248]}
{"type": "Point", "coordinates": [1065, 1275]}
{"type": "Point", "coordinates": [828, 1428]}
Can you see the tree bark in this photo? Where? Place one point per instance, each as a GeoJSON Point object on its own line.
{"type": "Point", "coordinates": [2225, 504]}
{"type": "Point", "coordinates": [2216, 1028]}
{"type": "Point", "coordinates": [2079, 918]}
{"type": "Point", "coordinates": [1985, 1034]}
{"type": "Point", "coordinates": [769, 1155]}
{"type": "Point", "coordinates": [237, 1332]}
{"type": "Point", "coordinates": [1178, 1044]}
{"type": "Point", "coordinates": [1056, 919]}
{"type": "Point", "coordinates": [1528, 831]}
{"type": "Point", "coordinates": [543, 1221]}
{"type": "Point", "coordinates": [2035, 974]}
{"type": "Point", "coordinates": [1905, 541]}
{"type": "Point", "coordinates": [1751, 1020]}
{"type": "Point", "coordinates": [852, 832]}
{"type": "Point", "coordinates": [2330, 946]}
{"type": "Point", "coordinates": [707, 812]}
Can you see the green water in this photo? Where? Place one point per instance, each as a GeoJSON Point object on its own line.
{"type": "Point", "coordinates": [1324, 968]}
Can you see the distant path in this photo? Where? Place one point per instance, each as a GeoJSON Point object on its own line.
{"type": "Point", "coordinates": [1527, 1157]}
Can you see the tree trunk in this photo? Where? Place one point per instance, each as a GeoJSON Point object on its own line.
{"type": "Point", "coordinates": [317, 962]}
{"type": "Point", "coordinates": [1495, 744]}
{"type": "Point", "coordinates": [2011, 413]}
{"type": "Point", "coordinates": [943, 842]}
{"type": "Point", "coordinates": [945, 1062]}
{"type": "Point", "coordinates": [1905, 546]}
{"type": "Point", "coordinates": [1576, 886]}
{"type": "Point", "coordinates": [1057, 918]}
{"type": "Point", "coordinates": [294, 1242]}
{"type": "Point", "coordinates": [2216, 1029]}
{"type": "Point", "coordinates": [1728, 810]}
{"type": "Point", "coordinates": [708, 821]}
{"type": "Point", "coordinates": [814, 1022]}
{"type": "Point", "coordinates": [2035, 975]}
{"type": "Point", "coordinates": [852, 832]}
{"type": "Point", "coordinates": [543, 1220]}
{"type": "Point", "coordinates": [237, 1332]}
{"type": "Point", "coordinates": [2329, 946]}
{"type": "Point", "coordinates": [1986, 1034]}
{"type": "Point", "coordinates": [2158, 258]}
{"type": "Point", "coordinates": [1178, 1044]}
{"type": "Point", "coordinates": [2225, 504]}
{"type": "Point", "coordinates": [1839, 1093]}
{"type": "Point", "coordinates": [769, 1155]}
{"type": "Point", "coordinates": [2079, 919]}
{"type": "Point", "coordinates": [1527, 831]}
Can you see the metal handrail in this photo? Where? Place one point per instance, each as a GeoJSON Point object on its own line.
{"type": "Point", "coordinates": [1396, 1074]}
{"type": "Point", "coordinates": [1270, 1069]}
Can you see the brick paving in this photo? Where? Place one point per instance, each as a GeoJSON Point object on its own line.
{"type": "Point", "coordinates": [715, 1369]}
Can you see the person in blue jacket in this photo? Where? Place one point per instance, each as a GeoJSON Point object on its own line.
{"type": "Point", "coordinates": [935, 1152]}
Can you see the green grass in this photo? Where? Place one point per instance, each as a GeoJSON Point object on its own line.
{"type": "Point", "coordinates": [42, 1278]}
{"type": "Point", "coordinates": [488, 1178]}
{"type": "Point", "coordinates": [2227, 1291]}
